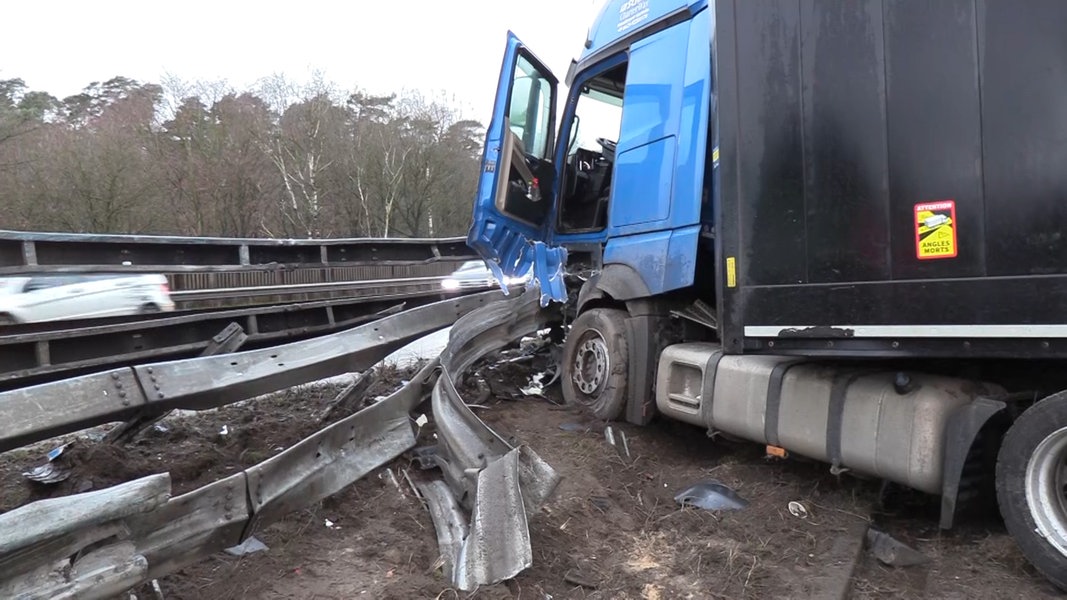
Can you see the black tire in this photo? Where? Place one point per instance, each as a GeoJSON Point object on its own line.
{"type": "Point", "coordinates": [148, 309]}
{"type": "Point", "coordinates": [1037, 424]}
{"type": "Point", "coordinates": [604, 393]}
{"type": "Point", "coordinates": [6, 319]}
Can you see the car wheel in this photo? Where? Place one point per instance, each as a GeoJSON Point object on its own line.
{"type": "Point", "coordinates": [148, 309]}
{"type": "Point", "coordinates": [595, 363]}
{"type": "Point", "coordinates": [6, 319]}
{"type": "Point", "coordinates": [1032, 486]}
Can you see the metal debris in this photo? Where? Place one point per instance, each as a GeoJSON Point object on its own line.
{"type": "Point", "coordinates": [889, 551]}
{"type": "Point", "coordinates": [249, 546]}
{"type": "Point", "coordinates": [711, 495]}
{"type": "Point", "coordinates": [617, 440]}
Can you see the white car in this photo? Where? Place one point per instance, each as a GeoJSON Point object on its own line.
{"type": "Point", "coordinates": [474, 275]}
{"type": "Point", "coordinates": [30, 299]}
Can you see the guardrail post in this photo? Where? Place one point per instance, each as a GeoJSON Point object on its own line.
{"type": "Point", "coordinates": [29, 253]}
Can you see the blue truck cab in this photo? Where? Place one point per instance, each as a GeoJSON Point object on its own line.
{"type": "Point", "coordinates": [636, 193]}
{"type": "Point", "coordinates": [834, 228]}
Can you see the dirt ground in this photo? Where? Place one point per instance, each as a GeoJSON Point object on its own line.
{"type": "Point", "coordinates": [611, 530]}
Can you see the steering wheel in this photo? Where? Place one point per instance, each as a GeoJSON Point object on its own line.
{"type": "Point", "coordinates": [608, 146]}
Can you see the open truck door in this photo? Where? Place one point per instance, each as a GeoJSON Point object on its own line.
{"type": "Point", "coordinates": [515, 188]}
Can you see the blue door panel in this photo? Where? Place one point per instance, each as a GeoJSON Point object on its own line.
{"type": "Point", "coordinates": [642, 186]}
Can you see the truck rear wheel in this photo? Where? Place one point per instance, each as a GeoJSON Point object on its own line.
{"type": "Point", "coordinates": [595, 363]}
{"type": "Point", "coordinates": [1032, 486]}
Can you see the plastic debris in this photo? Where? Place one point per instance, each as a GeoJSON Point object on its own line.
{"type": "Point", "coordinates": [711, 495]}
{"type": "Point", "coordinates": [534, 387]}
{"type": "Point", "coordinates": [574, 427]}
{"type": "Point", "coordinates": [799, 510]}
{"type": "Point", "coordinates": [225, 430]}
{"type": "Point", "coordinates": [421, 421]}
{"type": "Point", "coordinates": [52, 471]}
{"type": "Point", "coordinates": [330, 524]}
{"type": "Point", "coordinates": [889, 551]}
{"type": "Point", "coordinates": [249, 546]}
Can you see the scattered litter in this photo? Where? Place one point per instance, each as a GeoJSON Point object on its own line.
{"type": "Point", "coordinates": [618, 441]}
{"type": "Point", "coordinates": [711, 495]}
{"type": "Point", "coordinates": [330, 524]}
{"type": "Point", "coordinates": [161, 428]}
{"type": "Point", "coordinates": [579, 580]}
{"type": "Point", "coordinates": [574, 427]}
{"type": "Point", "coordinates": [799, 510]}
{"type": "Point", "coordinates": [422, 420]}
{"type": "Point", "coordinates": [225, 430]}
{"type": "Point", "coordinates": [54, 470]}
{"type": "Point", "coordinates": [157, 589]}
{"type": "Point", "coordinates": [249, 546]}
{"type": "Point", "coordinates": [889, 551]}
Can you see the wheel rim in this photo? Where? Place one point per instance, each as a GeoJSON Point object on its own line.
{"type": "Point", "coordinates": [591, 363]}
{"type": "Point", "coordinates": [1046, 489]}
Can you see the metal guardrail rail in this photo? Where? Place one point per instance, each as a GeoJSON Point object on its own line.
{"type": "Point", "coordinates": [97, 544]}
{"type": "Point", "coordinates": [277, 294]}
{"type": "Point", "coordinates": [40, 352]}
{"type": "Point", "coordinates": [32, 252]}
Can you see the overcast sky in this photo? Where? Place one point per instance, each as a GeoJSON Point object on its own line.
{"type": "Point", "coordinates": [437, 46]}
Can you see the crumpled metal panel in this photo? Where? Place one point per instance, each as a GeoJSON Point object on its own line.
{"type": "Point", "coordinates": [39, 412]}
{"type": "Point", "coordinates": [501, 515]}
{"type": "Point", "coordinates": [44, 520]}
{"type": "Point", "coordinates": [486, 473]}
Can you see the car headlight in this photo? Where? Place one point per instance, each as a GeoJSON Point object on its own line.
{"type": "Point", "coordinates": [450, 284]}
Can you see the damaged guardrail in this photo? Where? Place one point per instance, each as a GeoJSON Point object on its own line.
{"type": "Point", "coordinates": [39, 352]}
{"type": "Point", "coordinates": [135, 532]}
{"type": "Point", "coordinates": [100, 543]}
{"type": "Point", "coordinates": [38, 412]}
{"type": "Point", "coordinates": [499, 483]}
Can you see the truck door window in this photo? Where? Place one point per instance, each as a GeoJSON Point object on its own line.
{"type": "Point", "coordinates": [530, 108]}
{"type": "Point", "coordinates": [592, 135]}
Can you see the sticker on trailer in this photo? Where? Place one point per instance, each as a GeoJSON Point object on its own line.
{"type": "Point", "coordinates": [935, 230]}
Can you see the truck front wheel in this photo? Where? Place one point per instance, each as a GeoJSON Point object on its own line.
{"type": "Point", "coordinates": [595, 363]}
{"type": "Point", "coordinates": [1032, 486]}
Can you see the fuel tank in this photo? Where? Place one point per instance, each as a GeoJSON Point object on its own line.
{"type": "Point", "coordinates": [882, 423]}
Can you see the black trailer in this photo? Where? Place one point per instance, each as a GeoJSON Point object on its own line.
{"type": "Point", "coordinates": [894, 177]}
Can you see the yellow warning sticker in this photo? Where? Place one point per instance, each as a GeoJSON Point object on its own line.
{"type": "Point", "coordinates": [731, 272]}
{"type": "Point", "coordinates": [935, 230]}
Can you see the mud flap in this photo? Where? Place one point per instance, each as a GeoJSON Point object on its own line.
{"type": "Point", "coordinates": [645, 346]}
{"type": "Point", "coordinates": [960, 434]}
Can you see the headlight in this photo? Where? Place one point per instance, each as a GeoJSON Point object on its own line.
{"type": "Point", "coordinates": [450, 284]}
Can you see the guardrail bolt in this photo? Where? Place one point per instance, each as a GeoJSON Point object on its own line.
{"type": "Point", "coordinates": [161, 395]}
{"type": "Point", "coordinates": [114, 375]}
{"type": "Point", "coordinates": [149, 370]}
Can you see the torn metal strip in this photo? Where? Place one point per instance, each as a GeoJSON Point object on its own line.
{"type": "Point", "coordinates": [448, 520]}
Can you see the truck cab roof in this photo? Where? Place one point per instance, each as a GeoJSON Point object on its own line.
{"type": "Point", "coordinates": [621, 20]}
